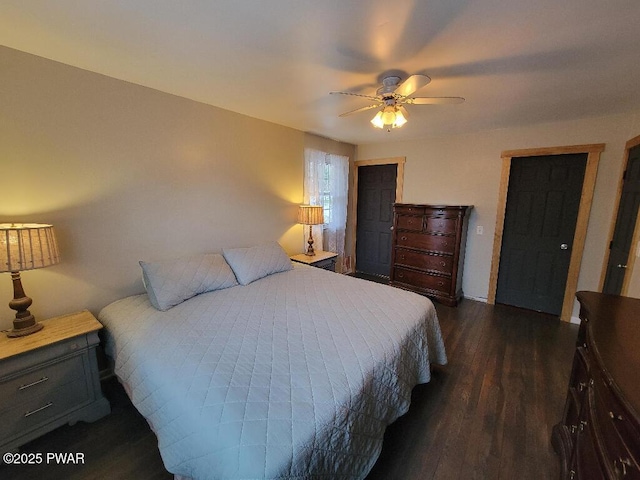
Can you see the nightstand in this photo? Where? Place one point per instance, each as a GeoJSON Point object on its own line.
{"type": "Point", "coordinates": [325, 260]}
{"type": "Point", "coordinates": [49, 378]}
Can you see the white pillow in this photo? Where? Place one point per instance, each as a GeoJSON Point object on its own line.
{"type": "Point", "coordinates": [252, 263]}
{"type": "Point", "coordinates": [171, 282]}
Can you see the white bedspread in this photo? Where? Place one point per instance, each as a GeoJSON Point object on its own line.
{"type": "Point", "coordinates": [294, 376]}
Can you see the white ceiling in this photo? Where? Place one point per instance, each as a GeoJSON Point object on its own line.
{"type": "Point", "coordinates": [516, 62]}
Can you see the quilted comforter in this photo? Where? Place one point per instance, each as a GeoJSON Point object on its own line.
{"type": "Point", "coordinates": [294, 376]}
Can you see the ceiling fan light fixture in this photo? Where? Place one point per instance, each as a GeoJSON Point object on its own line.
{"type": "Point", "coordinates": [377, 120]}
{"type": "Point", "coordinates": [389, 117]}
{"type": "Point", "coordinates": [400, 119]}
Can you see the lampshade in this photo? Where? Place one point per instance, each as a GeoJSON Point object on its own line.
{"type": "Point", "coordinates": [26, 246]}
{"type": "Point", "coordinates": [311, 214]}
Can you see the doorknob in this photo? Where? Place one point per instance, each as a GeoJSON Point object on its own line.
{"type": "Point", "coordinates": [621, 266]}
{"type": "Point", "coordinates": [564, 246]}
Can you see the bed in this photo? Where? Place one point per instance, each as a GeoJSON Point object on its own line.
{"type": "Point", "coordinates": [294, 374]}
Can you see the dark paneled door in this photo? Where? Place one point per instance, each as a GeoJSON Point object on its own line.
{"type": "Point", "coordinates": [625, 224]}
{"type": "Point", "coordinates": [376, 195]}
{"type": "Point", "coordinates": [540, 220]}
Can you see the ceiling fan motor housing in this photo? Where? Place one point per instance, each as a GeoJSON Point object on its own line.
{"type": "Point", "coordinates": [389, 85]}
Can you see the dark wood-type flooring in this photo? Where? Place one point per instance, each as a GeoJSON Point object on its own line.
{"type": "Point", "coordinates": [488, 414]}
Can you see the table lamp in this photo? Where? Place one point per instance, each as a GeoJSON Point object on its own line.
{"type": "Point", "coordinates": [25, 246]}
{"type": "Point", "coordinates": [310, 215]}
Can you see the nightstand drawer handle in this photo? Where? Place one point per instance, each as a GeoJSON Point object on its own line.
{"type": "Point", "coordinates": [24, 387]}
{"type": "Point", "coordinates": [28, 414]}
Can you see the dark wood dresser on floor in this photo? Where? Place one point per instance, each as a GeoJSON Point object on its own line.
{"type": "Point", "coordinates": [599, 435]}
{"type": "Point", "coordinates": [428, 249]}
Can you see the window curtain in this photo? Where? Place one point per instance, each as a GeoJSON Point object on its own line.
{"type": "Point", "coordinates": [326, 182]}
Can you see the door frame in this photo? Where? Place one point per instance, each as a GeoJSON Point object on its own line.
{"type": "Point", "coordinates": [593, 152]}
{"type": "Point", "coordinates": [631, 259]}
{"type": "Point", "coordinates": [353, 195]}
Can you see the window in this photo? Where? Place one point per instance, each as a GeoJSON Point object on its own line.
{"type": "Point", "coordinates": [326, 183]}
{"type": "Point", "coordinates": [325, 193]}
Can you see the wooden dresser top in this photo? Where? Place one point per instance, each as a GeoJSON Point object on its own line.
{"type": "Point", "coordinates": [614, 329]}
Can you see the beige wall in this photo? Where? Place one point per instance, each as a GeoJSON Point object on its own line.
{"type": "Point", "coordinates": [127, 173]}
{"type": "Point", "coordinates": [465, 169]}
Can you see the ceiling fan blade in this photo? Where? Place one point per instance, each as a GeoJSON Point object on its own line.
{"type": "Point", "coordinates": [355, 95]}
{"type": "Point", "coordinates": [433, 100]}
{"type": "Point", "coordinates": [411, 84]}
{"type": "Point", "coordinates": [361, 109]}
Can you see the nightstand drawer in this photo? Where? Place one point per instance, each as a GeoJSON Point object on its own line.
{"type": "Point", "coordinates": [41, 409]}
{"type": "Point", "coordinates": [38, 382]}
{"type": "Point", "coordinates": [22, 362]}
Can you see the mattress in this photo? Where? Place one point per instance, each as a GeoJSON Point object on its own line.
{"type": "Point", "coordinates": [294, 376]}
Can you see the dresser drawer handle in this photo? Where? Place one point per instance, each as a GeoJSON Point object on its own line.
{"type": "Point", "coordinates": [440, 283]}
{"type": "Point", "coordinates": [28, 414]}
{"type": "Point", "coordinates": [624, 463]}
{"type": "Point", "coordinates": [402, 257]}
{"type": "Point", "coordinates": [404, 237]}
{"type": "Point", "coordinates": [614, 416]}
{"type": "Point", "coordinates": [24, 387]}
{"type": "Point", "coordinates": [401, 275]}
{"type": "Point", "coordinates": [443, 264]}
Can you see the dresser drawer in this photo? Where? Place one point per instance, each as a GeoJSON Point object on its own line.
{"type": "Point", "coordinates": [604, 423]}
{"type": "Point", "coordinates": [40, 409]}
{"type": "Point", "coordinates": [409, 209]}
{"type": "Point", "coordinates": [40, 381]}
{"type": "Point", "coordinates": [439, 212]}
{"type": "Point", "coordinates": [585, 463]}
{"type": "Point", "coordinates": [421, 241]}
{"type": "Point", "coordinates": [424, 261]}
{"type": "Point", "coordinates": [409, 222]}
{"type": "Point", "coordinates": [422, 280]}
{"type": "Point", "coordinates": [442, 225]}
{"type": "Point", "coordinates": [615, 419]}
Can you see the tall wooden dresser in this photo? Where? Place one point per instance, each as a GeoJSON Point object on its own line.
{"type": "Point", "coordinates": [599, 435]}
{"type": "Point", "coordinates": [428, 249]}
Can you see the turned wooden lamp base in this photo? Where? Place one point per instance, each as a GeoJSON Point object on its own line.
{"type": "Point", "coordinates": [310, 251]}
{"type": "Point", "coordinates": [24, 323]}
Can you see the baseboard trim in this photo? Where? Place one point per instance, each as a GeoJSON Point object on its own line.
{"type": "Point", "coordinates": [477, 299]}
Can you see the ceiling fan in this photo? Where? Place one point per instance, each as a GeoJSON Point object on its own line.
{"type": "Point", "coordinates": [391, 98]}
